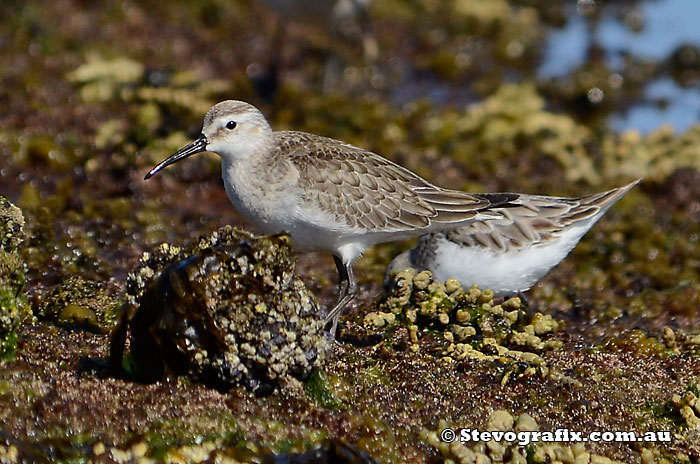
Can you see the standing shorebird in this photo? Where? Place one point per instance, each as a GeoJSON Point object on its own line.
{"type": "Point", "coordinates": [511, 253]}
{"type": "Point", "coordinates": [328, 195]}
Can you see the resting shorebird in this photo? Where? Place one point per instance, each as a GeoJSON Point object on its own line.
{"type": "Point", "coordinates": [328, 195]}
{"type": "Point", "coordinates": [511, 253]}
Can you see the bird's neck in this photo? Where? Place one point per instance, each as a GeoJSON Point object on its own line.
{"type": "Point", "coordinates": [253, 159]}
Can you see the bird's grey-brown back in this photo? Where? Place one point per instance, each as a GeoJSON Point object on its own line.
{"type": "Point", "coordinates": [362, 190]}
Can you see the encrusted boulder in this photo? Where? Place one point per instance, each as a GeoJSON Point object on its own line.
{"type": "Point", "coordinates": [227, 309]}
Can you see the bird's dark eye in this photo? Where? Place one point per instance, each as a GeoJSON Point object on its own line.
{"type": "Point", "coordinates": [231, 125]}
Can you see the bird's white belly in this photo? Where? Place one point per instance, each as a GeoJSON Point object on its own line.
{"type": "Point", "coordinates": [504, 273]}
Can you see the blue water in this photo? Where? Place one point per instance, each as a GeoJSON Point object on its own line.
{"type": "Point", "coordinates": [566, 49]}
{"type": "Point", "coordinates": [682, 110]}
{"type": "Point", "coordinates": [666, 25]}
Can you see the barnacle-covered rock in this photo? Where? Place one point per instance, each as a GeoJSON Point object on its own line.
{"type": "Point", "coordinates": [14, 309]}
{"type": "Point", "coordinates": [217, 449]}
{"type": "Point", "coordinates": [225, 310]}
{"type": "Point", "coordinates": [11, 225]}
{"type": "Point", "coordinates": [470, 324]}
{"type": "Point", "coordinates": [688, 407]}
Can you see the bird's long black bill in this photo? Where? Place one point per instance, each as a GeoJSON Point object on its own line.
{"type": "Point", "coordinates": [198, 146]}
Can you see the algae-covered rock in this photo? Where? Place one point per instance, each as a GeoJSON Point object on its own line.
{"type": "Point", "coordinates": [653, 156]}
{"type": "Point", "coordinates": [225, 310]}
{"type": "Point", "coordinates": [77, 301]}
{"type": "Point", "coordinates": [14, 309]}
{"type": "Point", "coordinates": [518, 112]}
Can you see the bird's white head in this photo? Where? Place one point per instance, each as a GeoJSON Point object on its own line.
{"type": "Point", "coordinates": [232, 129]}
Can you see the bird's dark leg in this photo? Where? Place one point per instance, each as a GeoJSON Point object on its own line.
{"type": "Point", "coordinates": [347, 289]}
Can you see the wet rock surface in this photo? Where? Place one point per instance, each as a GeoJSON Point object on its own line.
{"type": "Point", "coordinates": [226, 310]}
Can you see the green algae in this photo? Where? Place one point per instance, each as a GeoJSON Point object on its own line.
{"type": "Point", "coordinates": [665, 412]}
{"type": "Point", "coordinates": [14, 310]}
{"type": "Point", "coordinates": [67, 250]}
{"type": "Point", "coordinates": [318, 389]}
{"type": "Point", "coordinates": [166, 435]}
{"type": "Point", "coordinates": [693, 388]}
{"type": "Point", "coordinates": [636, 340]}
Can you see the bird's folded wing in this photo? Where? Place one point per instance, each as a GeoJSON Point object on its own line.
{"type": "Point", "coordinates": [532, 220]}
{"type": "Point", "coordinates": [366, 191]}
